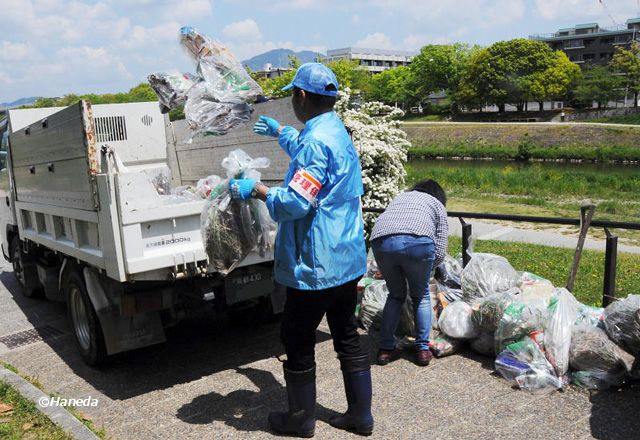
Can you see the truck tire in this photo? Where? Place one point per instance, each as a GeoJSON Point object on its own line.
{"type": "Point", "coordinates": [84, 320]}
{"type": "Point", "coordinates": [24, 269]}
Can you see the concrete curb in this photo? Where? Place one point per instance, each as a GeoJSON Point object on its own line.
{"type": "Point", "coordinates": [58, 414]}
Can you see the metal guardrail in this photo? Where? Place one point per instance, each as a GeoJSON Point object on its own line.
{"type": "Point", "coordinates": [611, 248]}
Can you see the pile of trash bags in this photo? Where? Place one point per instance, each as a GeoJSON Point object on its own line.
{"type": "Point", "coordinates": [542, 338]}
{"type": "Point", "coordinates": [218, 96]}
{"type": "Point", "coordinates": [232, 229]}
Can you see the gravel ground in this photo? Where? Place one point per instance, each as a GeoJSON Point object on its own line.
{"type": "Point", "coordinates": [220, 379]}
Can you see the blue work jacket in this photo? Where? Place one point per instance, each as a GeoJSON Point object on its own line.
{"type": "Point", "coordinates": [320, 242]}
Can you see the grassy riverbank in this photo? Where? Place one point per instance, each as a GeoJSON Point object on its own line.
{"type": "Point", "coordinates": [589, 142]}
{"type": "Point", "coordinates": [540, 188]}
{"type": "Point", "coordinates": [554, 263]}
{"type": "Point", "coordinates": [620, 119]}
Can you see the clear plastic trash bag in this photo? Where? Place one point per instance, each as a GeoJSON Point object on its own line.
{"type": "Point", "coordinates": [590, 315]}
{"type": "Point", "coordinates": [523, 363]}
{"type": "Point", "coordinates": [447, 276]}
{"type": "Point", "coordinates": [172, 89]}
{"type": "Point", "coordinates": [442, 345]}
{"type": "Point", "coordinates": [372, 306]}
{"type": "Point", "coordinates": [522, 318]}
{"type": "Point", "coordinates": [622, 323]}
{"type": "Point", "coordinates": [206, 116]}
{"type": "Point", "coordinates": [487, 274]}
{"type": "Point", "coordinates": [232, 229]}
{"type": "Point", "coordinates": [225, 79]}
{"type": "Point", "coordinates": [562, 314]}
{"type": "Point", "coordinates": [598, 361]}
{"type": "Point", "coordinates": [455, 321]}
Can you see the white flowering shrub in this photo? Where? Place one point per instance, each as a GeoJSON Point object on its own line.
{"type": "Point", "coordinates": [382, 147]}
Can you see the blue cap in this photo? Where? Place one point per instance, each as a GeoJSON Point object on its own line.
{"type": "Point", "coordinates": [315, 78]}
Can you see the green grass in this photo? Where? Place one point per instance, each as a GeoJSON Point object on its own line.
{"type": "Point", "coordinates": [554, 264]}
{"type": "Point", "coordinates": [620, 119]}
{"type": "Point", "coordinates": [558, 189]}
{"type": "Point", "coordinates": [425, 118]}
{"type": "Point", "coordinates": [510, 142]}
{"type": "Point", "coordinates": [25, 421]}
{"type": "Point", "coordinates": [99, 432]}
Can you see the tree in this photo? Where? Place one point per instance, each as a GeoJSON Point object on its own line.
{"type": "Point", "coordinates": [552, 83]}
{"type": "Point", "coordinates": [501, 73]}
{"type": "Point", "coordinates": [350, 74]}
{"type": "Point", "coordinates": [391, 86]}
{"type": "Point", "coordinates": [439, 67]}
{"type": "Point", "coordinates": [599, 85]}
{"type": "Point", "coordinates": [627, 62]}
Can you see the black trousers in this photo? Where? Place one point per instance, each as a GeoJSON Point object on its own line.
{"type": "Point", "coordinates": [303, 312]}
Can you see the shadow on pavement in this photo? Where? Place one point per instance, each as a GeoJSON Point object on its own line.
{"type": "Point", "coordinates": [195, 348]}
{"type": "Point", "coordinates": [615, 415]}
{"type": "Point", "coordinates": [244, 410]}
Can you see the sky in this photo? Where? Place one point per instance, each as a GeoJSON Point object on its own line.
{"type": "Point", "coordinates": [55, 47]}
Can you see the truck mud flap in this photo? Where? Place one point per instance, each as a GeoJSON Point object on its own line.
{"type": "Point", "coordinates": [121, 333]}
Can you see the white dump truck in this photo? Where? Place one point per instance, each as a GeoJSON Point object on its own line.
{"type": "Point", "coordinates": [84, 224]}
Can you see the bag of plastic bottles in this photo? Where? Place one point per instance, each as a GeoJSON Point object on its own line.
{"type": "Point", "coordinates": [598, 361]}
{"type": "Point", "coordinates": [521, 318]}
{"type": "Point", "coordinates": [207, 116]}
{"type": "Point", "coordinates": [224, 77]}
{"type": "Point", "coordinates": [622, 323]}
{"type": "Point", "coordinates": [524, 364]}
{"type": "Point", "coordinates": [562, 314]}
{"type": "Point", "coordinates": [455, 321]}
{"type": "Point", "coordinates": [442, 345]}
{"type": "Point", "coordinates": [487, 274]}
{"type": "Point", "coordinates": [232, 229]}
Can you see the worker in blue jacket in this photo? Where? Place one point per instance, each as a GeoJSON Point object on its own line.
{"type": "Point", "coordinates": [320, 250]}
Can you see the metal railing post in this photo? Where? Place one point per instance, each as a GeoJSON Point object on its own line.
{"type": "Point", "coordinates": [610, 263]}
{"type": "Point", "coordinates": [466, 241]}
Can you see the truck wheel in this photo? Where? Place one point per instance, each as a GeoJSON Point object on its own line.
{"type": "Point", "coordinates": [24, 269]}
{"type": "Point", "coordinates": [84, 320]}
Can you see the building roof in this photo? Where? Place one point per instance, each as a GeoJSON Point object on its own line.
{"type": "Point", "coordinates": [362, 50]}
{"type": "Point", "coordinates": [633, 20]}
{"type": "Point", "coordinates": [586, 26]}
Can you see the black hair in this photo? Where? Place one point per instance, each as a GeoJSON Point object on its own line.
{"type": "Point", "coordinates": [432, 188]}
{"type": "Point", "coordinates": [322, 102]}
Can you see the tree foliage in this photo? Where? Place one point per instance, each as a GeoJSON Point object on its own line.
{"type": "Point", "coordinates": [505, 72]}
{"type": "Point", "coordinates": [627, 62]}
{"type": "Point", "coordinates": [599, 85]}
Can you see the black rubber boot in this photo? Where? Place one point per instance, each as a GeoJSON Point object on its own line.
{"type": "Point", "coordinates": [300, 420]}
{"type": "Point", "coordinates": [358, 419]}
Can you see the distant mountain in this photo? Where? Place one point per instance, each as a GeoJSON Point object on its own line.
{"type": "Point", "coordinates": [18, 102]}
{"type": "Point", "coordinates": [279, 58]}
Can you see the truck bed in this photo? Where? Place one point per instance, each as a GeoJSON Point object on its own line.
{"type": "Point", "coordinates": [103, 209]}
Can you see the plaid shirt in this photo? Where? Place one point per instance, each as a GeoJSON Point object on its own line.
{"type": "Point", "coordinates": [415, 213]}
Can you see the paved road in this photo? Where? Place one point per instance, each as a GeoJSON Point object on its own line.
{"type": "Point", "coordinates": [217, 380]}
{"type": "Point", "coordinates": [558, 237]}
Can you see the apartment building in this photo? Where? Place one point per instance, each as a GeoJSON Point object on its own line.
{"type": "Point", "coordinates": [591, 44]}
